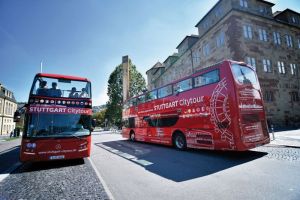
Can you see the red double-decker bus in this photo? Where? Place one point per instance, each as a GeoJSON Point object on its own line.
{"type": "Point", "coordinates": [57, 119]}
{"type": "Point", "coordinates": [219, 107]}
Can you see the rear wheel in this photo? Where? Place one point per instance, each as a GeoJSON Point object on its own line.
{"type": "Point", "coordinates": [179, 141]}
{"type": "Point", "coordinates": [132, 136]}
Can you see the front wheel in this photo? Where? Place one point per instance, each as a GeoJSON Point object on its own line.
{"type": "Point", "coordinates": [132, 136]}
{"type": "Point", "coordinates": [179, 141]}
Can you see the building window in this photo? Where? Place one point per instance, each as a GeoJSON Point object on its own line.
{"type": "Point", "coordinates": [298, 43]}
{"type": "Point", "coordinates": [247, 31]}
{"type": "Point", "coordinates": [289, 41]}
{"type": "Point", "coordinates": [244, 3]}
{"type": "Point", "coordinates": [294, 96]}
{"type": "Point", "coordinates": [196, 58]}
{"type": "Point", "coordinates": [206, 50]}
{"type": "Point", "coordinates": [251, 61]}
{"type": "Point", "coordinates": [293, 69]}
{"type": "Point", "coordinates": [281, 68]}
{"type": "Point", "coordinates": [267, 65]}
{"type": "Point", "coordinates": [276, 37]}
{"type": "Point", "coordinates": [220, 39]}
{"type": "Point", "coordinates": [206, 24]}
{"type": "Point", "coordinates": [268, 96]}
{"type": "Point", "coordinates": [218, 12]}
{"type": "Point", "coordinates": [262, 35]}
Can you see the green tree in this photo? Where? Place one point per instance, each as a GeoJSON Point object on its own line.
{"type": "Point", "coordinates": [99, 117]}
{"type": "Point", "coordinates": [115, 92]}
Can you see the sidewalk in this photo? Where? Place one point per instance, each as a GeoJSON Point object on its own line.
{"type": "Point", "coordinates": [286, 138]}
{"type": "Point", "coordinates": [7, 145]}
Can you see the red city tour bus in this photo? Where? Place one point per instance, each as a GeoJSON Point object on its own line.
{"type": "Point", "coordinates": [219, 107]}
{"type": "Point", "coordinates": [57, 119]}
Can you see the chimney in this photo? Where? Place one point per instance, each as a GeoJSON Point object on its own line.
{"type": "Point", "coordinates": [125, 65]}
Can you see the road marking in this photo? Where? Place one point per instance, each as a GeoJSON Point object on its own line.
{"type": "Point", "coordinates": [127, 156]}
{"type": "Point", "coordinates": [10, 149]}
{"type": "Point", "coordinates": [108, 192]}
{"type": "Point", "coordinates": [10, 170]}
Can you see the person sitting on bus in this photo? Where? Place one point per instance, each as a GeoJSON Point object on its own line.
{"type": "Point", "coordinates": [73, 93]}
{"type": "Point", "coordinates": [83, 93]}
{"type": "Point", "coordinates": [54, 92]}
{"type": "Point", "coordinates": [42, 90]}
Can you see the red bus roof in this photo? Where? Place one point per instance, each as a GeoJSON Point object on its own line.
{"type": "Point", "coordinates": [60, 76]}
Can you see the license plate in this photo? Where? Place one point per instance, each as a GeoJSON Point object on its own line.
{"type": "Point", "coordinates": [56, 157]}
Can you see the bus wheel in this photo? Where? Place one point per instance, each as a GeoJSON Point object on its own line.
{"type": "Point", "coordinates": [179, 141]}
{"type": "Point", "coordinates": [132, 136]}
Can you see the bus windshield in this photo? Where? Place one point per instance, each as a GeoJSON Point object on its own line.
{"type": "Point", "coordinates": [54, 87]}
{"type": "Point", "coordinates": [58, 125]}
{"type": "Point", "coordinates": [243, 74]}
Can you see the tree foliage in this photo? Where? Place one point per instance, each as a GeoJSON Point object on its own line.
{"type": "Point", "coordinates": [99, 117]}
{"type": "Point", "coordinates": [115, 91]}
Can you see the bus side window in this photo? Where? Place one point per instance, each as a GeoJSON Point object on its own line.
{"type": "Point", "coordinates": [165, 91]}
{"type": "Point", "coordinates": [140, 99]}
{"type": "Point", "coordinates": [152, 95]}
{"type": "Point", "coordinates": [183, 85]}
{"type": "Point", "coordinates": [207, 78]}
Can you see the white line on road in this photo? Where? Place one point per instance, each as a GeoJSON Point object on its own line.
{"type": "Point", "coordinates": [7, 172]}
{"type": "Point", "coordinates": [109, 194]}
{"type": "Point", "coordinates": [8, 150]}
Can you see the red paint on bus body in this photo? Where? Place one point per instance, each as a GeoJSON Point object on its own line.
{"type": "Point", "coordinates": [46, 110]}
{"type": "Point", "coordinates": [223, 112]}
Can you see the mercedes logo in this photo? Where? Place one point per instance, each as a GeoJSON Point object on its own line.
{"type": "Point", "coordinates": [58, 146]}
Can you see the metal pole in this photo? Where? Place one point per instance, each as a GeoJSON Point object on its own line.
{"type": "Point", "coordinates": [272, 130]}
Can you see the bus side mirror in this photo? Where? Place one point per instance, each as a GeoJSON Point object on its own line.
{"type": "Point", "coordinates": [93, 123]}
{"type": "Point", "coordinates": [17, 116]}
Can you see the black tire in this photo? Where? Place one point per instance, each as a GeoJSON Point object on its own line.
{"type": "Point", "coordinates": [179, 141]}
{"type": "Point", "coordinates": [132, 136]}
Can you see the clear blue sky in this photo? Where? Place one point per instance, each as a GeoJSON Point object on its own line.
{"type": "Point", "coordinates": [89, 37]}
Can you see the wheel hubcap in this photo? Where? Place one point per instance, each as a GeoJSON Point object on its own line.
{"type": "Point", "coordinates": [179, 142]}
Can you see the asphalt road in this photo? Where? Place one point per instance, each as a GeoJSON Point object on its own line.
{"type": "Point", "coordinates": [71, 179]}
{"type": "Point", "coordinates": [134, 170]}
{"type": "Point", "coordinates": [146, 171]}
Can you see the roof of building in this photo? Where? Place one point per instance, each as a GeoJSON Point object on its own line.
{"type": "Point", "coordinates": [186, 37]}
{"type": "Point", "coordinates": [272, 4]}
{"type": "Point", "coordinates": [156, 66]}
{"type": "Point", "coordinates": [282, 12]}
{"type": "Point", "coordinates": [2, 95]}
{"type": "Point", "coordinates": [267, 2]}
{"type": "Point", "coordinates": [207, 13]}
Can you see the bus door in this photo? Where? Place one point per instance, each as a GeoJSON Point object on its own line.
{"type": "Point", "coordinates": [250, 105]}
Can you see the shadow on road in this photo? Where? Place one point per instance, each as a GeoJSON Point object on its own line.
{"type": "Point", "coordinates": [179, 165]}
{"type": "Point", "coordinates": [8, 158]}
{"type": "Point", "coordinates": [46, 165]}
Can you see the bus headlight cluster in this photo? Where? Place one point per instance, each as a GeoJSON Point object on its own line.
{"type": "Point", "coordinates": [31, 145]}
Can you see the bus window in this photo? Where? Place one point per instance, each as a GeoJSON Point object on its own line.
{"type": "Point", "coordinates": [183, 85]}
{"type": "Point", "coordinates": [141, 99]}
{"type": "Point", "coordinates": [165, 91]}
{"type": "Point", "coordinates": [151, 95]}
{"type": "Point", "coordinates": [243, 74]}
{"type": "Point", "coordinates": [132, 102]}
{"type": "Point", "coordinates": [207, 78]}
{"type": "Point", "coordinates": [54, 87]}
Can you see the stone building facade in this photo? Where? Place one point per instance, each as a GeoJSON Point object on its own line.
{"type": "Point", "coordinates": [8, 106]}
{"type": "Point", "coordinates": [246, 30]}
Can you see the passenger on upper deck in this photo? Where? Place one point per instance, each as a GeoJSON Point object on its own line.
{"type": "Point", "coordinates": [83, 93]}
{"type": "Point", "coordinates": [73, 93]}
{"type": "Point", "coordinates": [54, 92]}
{"type": "Point", "coordinates": [42, 90]}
